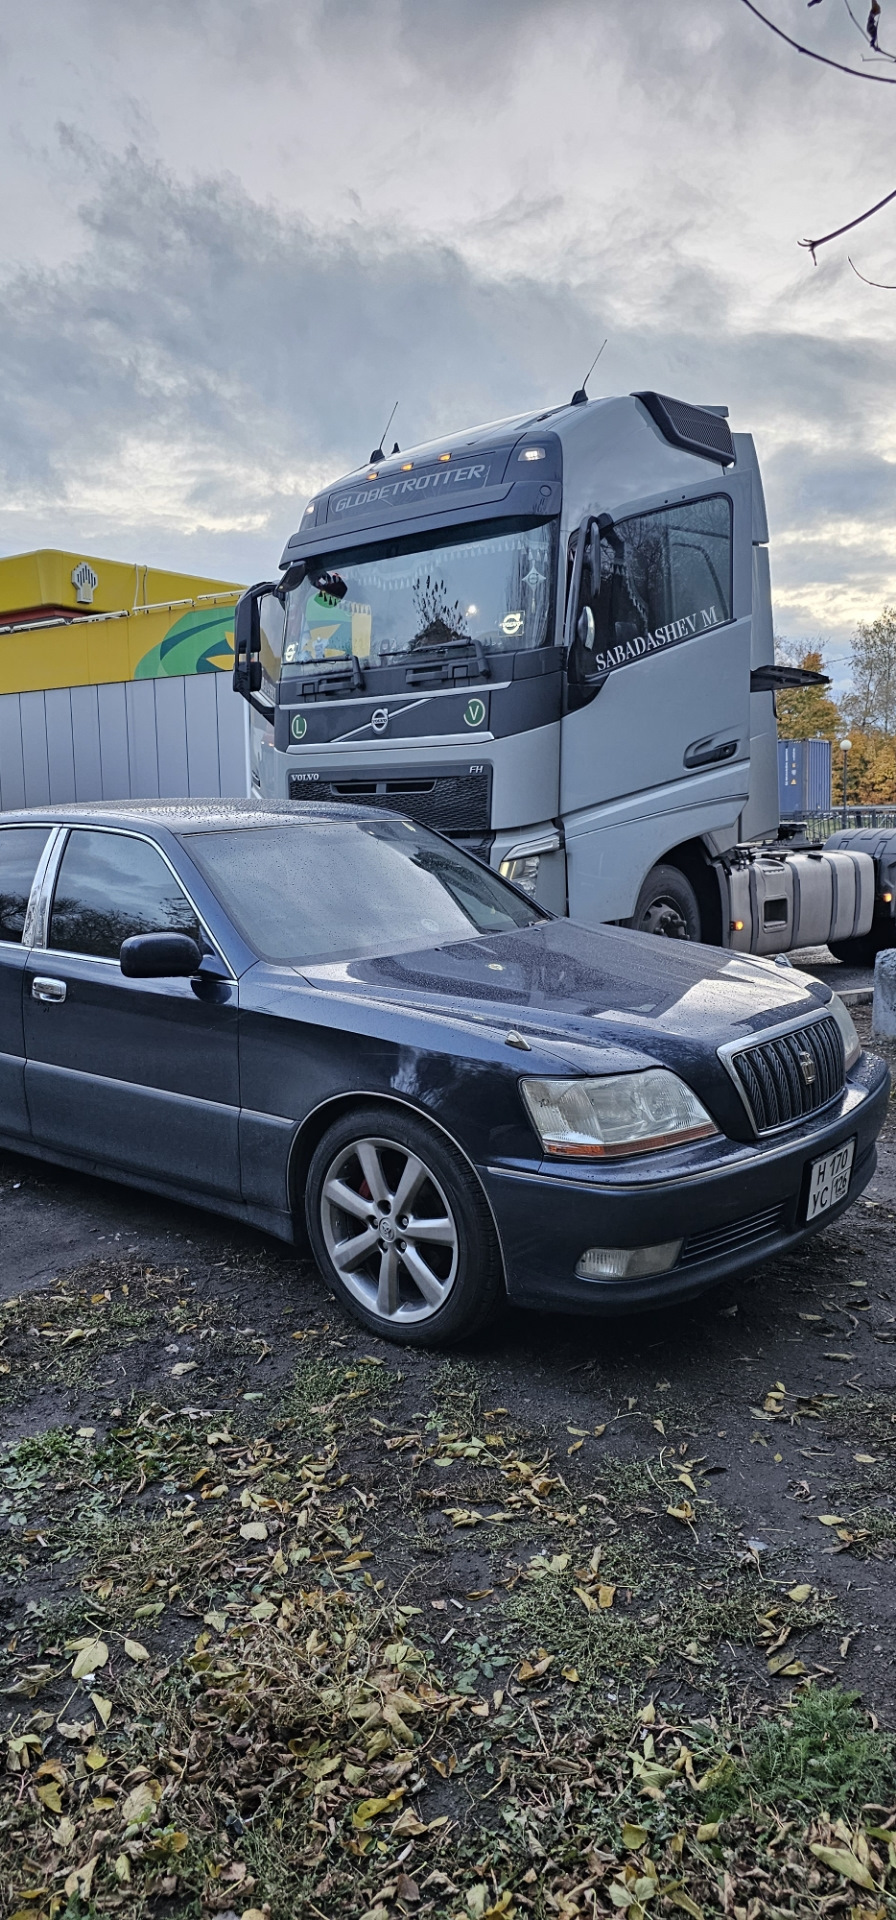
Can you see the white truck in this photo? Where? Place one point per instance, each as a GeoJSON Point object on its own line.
{"type": "Point", "coordinates": [551, 638]}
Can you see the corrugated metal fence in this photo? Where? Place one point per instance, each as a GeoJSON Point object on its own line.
{"type": "Point", "coordinates": [134, 739]}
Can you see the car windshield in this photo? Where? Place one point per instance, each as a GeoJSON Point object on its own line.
{"type": "Point", "coordinates": [400, 597]}
{"type": "Point", "coordinates": [349, 889]}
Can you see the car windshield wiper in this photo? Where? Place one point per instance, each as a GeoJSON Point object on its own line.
{"type": "Point", "coordinates": [446, 663]}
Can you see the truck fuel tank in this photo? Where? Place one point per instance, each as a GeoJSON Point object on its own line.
{"type": "Point", "coordinates": [784, 901]}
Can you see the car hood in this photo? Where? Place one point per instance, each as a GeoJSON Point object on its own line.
{"type": "Point", "coordinates": [560, 982]}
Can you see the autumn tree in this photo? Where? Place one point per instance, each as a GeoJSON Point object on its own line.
{"type": "Point", "coordinates": [805, 713]}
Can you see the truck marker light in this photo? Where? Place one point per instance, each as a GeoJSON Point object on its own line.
{"type": "Point", "coordinates": [531, 453]}
{"type": "Point", "coordinates": [373, 475]}
{"type": "Point", "coordinates": [407, 466]}
{"type": "Point", "coordinates": [886, 898]}
{"type": "Point", "coordinates": [736, 926]}
{"type": "Point", "coordinates": [444, 456]}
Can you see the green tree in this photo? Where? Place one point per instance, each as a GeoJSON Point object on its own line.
{"type": "Point", "coordinates": [871, 703]}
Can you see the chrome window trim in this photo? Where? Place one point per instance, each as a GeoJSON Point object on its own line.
{"type": "Point", "coordinates": [51, 874]}
{"type": "Point", "coordinates": [729, 1051]}
{"type": "Point", "coordinates": [32, 926]}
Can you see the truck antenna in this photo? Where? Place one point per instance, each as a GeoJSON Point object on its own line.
{"type": "Point", "coordinates": [580, 397]}
{"type": "Point", "coordinates": [378, 453]}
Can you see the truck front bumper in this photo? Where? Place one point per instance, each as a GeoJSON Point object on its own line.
{"type": "Point", "coordinates": [730, 1205]}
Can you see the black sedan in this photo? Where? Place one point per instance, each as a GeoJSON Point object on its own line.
{"type": "Point", "coordinates": [332, 1022]}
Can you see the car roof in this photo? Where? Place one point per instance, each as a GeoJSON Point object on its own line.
{"type": "Point", "coordinates": [189, 816]}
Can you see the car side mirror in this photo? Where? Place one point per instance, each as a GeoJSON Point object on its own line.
{"type": "Point", "coordinates": [160, 956]}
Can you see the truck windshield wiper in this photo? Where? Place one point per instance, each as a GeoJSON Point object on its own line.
{"type": "Point", "coordinates": [447, 663]}
{"type": "Point", "coordinates": [336, 680]}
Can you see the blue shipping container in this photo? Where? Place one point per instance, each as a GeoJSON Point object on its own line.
{"type": "Point", "coordinates": [804, 777]}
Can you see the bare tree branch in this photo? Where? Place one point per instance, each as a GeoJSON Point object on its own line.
{"type": "Point", "coordinates": [812, 244]}
{"type": "Point", "coordinates": [887, 286]}
{"type": "Point", "coordinates": [883, 79]}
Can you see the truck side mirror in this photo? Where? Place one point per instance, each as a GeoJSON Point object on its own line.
{"type": "Point", "coordinates": [247, 675]}
{"type": "Point", "coordinates": [586, 632]}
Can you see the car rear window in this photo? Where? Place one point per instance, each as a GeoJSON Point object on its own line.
{"type": "Point", "coordinates": [335, 890]}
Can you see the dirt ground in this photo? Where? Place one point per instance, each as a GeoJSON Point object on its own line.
{"type": "Point", "coordinates": [586, 1618]}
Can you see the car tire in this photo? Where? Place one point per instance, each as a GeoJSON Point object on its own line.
{"type": "Point", "coordinates": [376, 1176]}
{"type": "Point", "coordinates": [667, 905]}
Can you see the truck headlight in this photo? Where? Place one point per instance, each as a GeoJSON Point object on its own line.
{"type": "Point", "coordinates": [852, 1045]}
{"type": "Point", "coordinates": [621, 1113]}
{"type": "Point", "coordinates": [523, 871]}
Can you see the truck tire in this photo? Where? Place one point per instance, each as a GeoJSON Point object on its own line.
{"type": "Point", "coordinates": [667, 904]}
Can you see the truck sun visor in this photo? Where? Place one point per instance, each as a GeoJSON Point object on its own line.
{"type": "Point", "coordinates": [691, 428]}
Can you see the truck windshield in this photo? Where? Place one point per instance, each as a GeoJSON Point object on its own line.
{"type": "Point", "coordinates": [492, 588]}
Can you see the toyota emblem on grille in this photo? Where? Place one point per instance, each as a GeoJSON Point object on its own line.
{"type": "Point", "coordinates": [379, 719]}
{"type": "Point", "coordinates": [807, 1066]}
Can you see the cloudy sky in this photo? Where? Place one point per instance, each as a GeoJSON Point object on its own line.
{"type": "Point", "coordinates": [235, 231]}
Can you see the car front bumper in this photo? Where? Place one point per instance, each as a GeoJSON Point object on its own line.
{"type": "Point", "coordinates": [731, 1205]}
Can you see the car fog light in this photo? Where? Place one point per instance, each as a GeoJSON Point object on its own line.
{"type": "Point", "coordinates": [627, 1263]}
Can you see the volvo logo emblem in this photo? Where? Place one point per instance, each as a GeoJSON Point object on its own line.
{"type": "Point", "coordinates": [379, 719]}
{"type": "Point", "coordinates": [807, 1066]}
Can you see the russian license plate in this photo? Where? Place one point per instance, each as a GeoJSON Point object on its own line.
{"type": "Point", "coordinates": [829, 1181]}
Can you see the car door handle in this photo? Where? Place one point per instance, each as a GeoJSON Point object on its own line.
{"type": "Point", "coordinates": [44, 989]}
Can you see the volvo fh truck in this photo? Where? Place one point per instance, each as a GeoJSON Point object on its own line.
{"type": "Point", "coordinates": [551, 638]}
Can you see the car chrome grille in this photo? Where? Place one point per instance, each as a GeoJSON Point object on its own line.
{"type": "Point", "coordinates": [791, 1076]}
{"type": "Point", "coordinates": [716, 1242]}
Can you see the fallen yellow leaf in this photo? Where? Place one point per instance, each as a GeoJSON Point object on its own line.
{"type": "Point", "coordinates": [841, 1860]}
{"type": "Point", "coordinates": [93, 1654]}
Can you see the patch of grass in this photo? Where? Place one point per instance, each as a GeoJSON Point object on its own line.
{"type": "Point", "coordinates": [820, 1757]}
{"type": "Point", "coordinates": [325, 1396]}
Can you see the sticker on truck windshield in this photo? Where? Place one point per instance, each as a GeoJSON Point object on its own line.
{"type": "Point", "coordinates": [829, 1182]}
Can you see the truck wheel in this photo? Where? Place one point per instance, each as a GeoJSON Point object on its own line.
{"type": "Point", "coordinates": [667, 904]}
{"type": "Point", "coordinates": [864, 951]}
{"type": "Point", "coordinates": [401, 1230]}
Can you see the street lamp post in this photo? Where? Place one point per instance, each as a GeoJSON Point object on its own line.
{"type": "Point", "coordinates": [844, 749]}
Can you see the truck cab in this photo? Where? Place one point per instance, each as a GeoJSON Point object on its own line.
{"type": "Point", "coordinates": [549, 637]}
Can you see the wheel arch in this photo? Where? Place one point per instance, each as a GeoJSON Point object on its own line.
{"type": "Point", "coordinates": [312, 1129]}
{"type": "Point", "coordinates": [692, 859]}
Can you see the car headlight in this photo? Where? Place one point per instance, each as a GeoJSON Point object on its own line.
{"type": "Point", "coordinates": [852, 1045]}
{"type": "Point", "coordinates": [622, 1113]}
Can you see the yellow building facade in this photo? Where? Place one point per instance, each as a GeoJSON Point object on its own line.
{"type": "Point", "coordinates": [71, 620]}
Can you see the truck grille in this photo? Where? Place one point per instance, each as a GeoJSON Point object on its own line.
{"type": "Point", "coordinates": [787, 1078]}
{"type": "Point", "coordinates": [452, 802]}
{"type": "Point", "coordinates": [719, 1241]}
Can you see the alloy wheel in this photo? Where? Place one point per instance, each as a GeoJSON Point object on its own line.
{"type": "Point", "coordinates": [389, 1229]}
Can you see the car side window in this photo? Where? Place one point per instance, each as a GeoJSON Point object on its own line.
{"type": "Point", "coordinates": [20, 851]}
{"type": "Point", "coordinates": [109, 886]}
